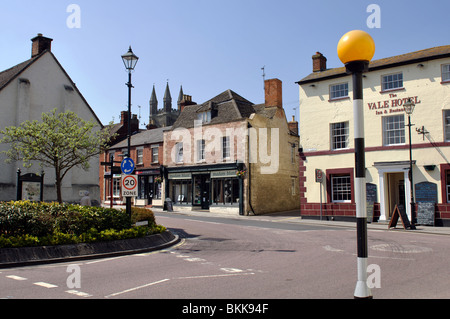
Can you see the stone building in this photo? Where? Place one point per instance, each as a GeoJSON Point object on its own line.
{"type": "Point", "coordinates": [230, 155]}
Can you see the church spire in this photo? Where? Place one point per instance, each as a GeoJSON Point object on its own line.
{"type": "Point", "coordinates": [153, 105]}
{"type": "Point", "coordinates": [167, 100]}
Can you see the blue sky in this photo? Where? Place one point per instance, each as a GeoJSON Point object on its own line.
{"type": "Point", "coordinates": [208, 46]}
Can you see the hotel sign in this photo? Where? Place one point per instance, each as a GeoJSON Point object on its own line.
{"type": "Point", "coordinates": [393, 105]}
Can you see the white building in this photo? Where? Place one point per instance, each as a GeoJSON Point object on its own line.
{"type": "Point", "coordinates": [29, 89]}
{"type": "Point", "coordinates": [326, 131]}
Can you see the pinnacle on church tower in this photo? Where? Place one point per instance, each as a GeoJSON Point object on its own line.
{"type": "Point", "coordinates": [167, 100]}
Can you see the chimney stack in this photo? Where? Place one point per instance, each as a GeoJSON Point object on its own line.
{"type": "Point", "coordinates": [186, 101]}
{"type": "Point", "coordinates": [319, 62]}
{"type": "Point", "coordinates": [293, 126]}
{"type": "Point", "coordinates": [40, 44]}
{"type": "Point", "coordinates": [274, 93]}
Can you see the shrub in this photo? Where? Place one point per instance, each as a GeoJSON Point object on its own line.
{"type": "Point", "coordinates": [27, 223]}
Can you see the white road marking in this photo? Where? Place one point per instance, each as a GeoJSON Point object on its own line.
{"type": "Point", "coordinates": [136, 288]}
{"type": "Point", "coordinates": [45, 285]}
{"type": "Point", "coordinates": [216, 276]}
{"type": "Point", "coordinates": [16, 278]}
{"type": "Point", "coordinates": [79, 293]}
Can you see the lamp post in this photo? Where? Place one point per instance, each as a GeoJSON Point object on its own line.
{"type": "Point", "coordinates": [409, 109]}
{"type": "Point", "coordinates": [356, 49]}
{"type": "Point", "coordinates": [129, 60]}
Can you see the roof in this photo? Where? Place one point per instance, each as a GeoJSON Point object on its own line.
{"type": "Point", "coordinates": [146, 137]}
{"type": "Point", "coordinates": [398, 60]}
{"type": "Point", "coordinates": [228, 106]}
{"type": "Point", "coordinates": [9, 75]}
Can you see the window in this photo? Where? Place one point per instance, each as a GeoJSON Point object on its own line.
{"type": "Point", "coordinates": [392, 81]}
{"type": "Point", "coordinates": [338, 91]}
{"type": "Point", "coordinates": [293, 183]}
{"type": "Point", "coordinates": [339, 135]}
{"type": "Point", "coordinates": [225, 191]}
{"type": "Point", "coordinates": [394, 130]}
{"type": "Point", "coordinates": [200, 150]}
{"type": "Point", "coordinates": [205, 117]}
{"type": "Point", "coordinates": [226, 147]}
{"type": "Point", "coordinates": [181, 191]}
{"type": "Point", "coordinates": [155, 151]}
{"type": "Point", "coordinates": [179, 152]}
{"type": "Point", "coordinates": [116, 187]}
{"type": "Point", "coordinates": [341, 189]}
{"type": "Point", "coordinates": [446, 72]}
{"type": "Point", "coordinates": [140, 156]}
{"type": "Point", "coordinates": [447, 125]}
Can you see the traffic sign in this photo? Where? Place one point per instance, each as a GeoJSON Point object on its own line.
{"type": "Point", "coordinates": [127, 166]}
{"type": "Point", "coordinates": [129, 186]}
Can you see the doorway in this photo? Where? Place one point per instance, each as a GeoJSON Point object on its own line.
{"type": "Point", "coordinates": [395, 192]}
{"type": "Point", "coordinates": [202, 186]}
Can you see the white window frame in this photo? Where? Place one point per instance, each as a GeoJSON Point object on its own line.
{"type": "Point", "coordinates": [155, 154]}
{"type": "Point", "coordinates": [339, 136]}
{"type": "Point", "coordinates": [341, 188]}
{"type": "Point", "coordinates": [179, 152]}
{"type": "Point", "coordinates": [205, 117]}
{"type": "Point", "coordinates": [445, 73]}
{"type": "Point", "coordinates": [391, 81]}
{"type": "Point", "coordinates": [226, 150]}
{"type": "Point", "coordinates": [140, 156]}
{"type": "Point", "coordinates": [394, 130]}
{"type": "Point", "coordinates": [446, 118]}
{"type": "Point", "coordinates": [338, 91]}
{"type": "Point", "coordinates": [201, 145]}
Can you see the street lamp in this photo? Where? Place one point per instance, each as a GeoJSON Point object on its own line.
{"type": "Point", "coordinates": [409, 109]}
{"type": "Point", "coordinates": [355, 49]}
{"type": "Point", "coordinates": [129, 60]}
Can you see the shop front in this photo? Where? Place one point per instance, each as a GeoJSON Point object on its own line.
{"type": "Point", "coordinates": [149, 188]}
{"type": "Point", "coordinates": [214, 188]}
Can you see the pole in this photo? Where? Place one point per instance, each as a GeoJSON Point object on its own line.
{"type": "Point", "coordinates": [128, 199]}
{"type": "Point", "coordinates": [413, 205]}
{"type": "Point", "coordinates": [356, 68]}
{"type": "Point", "coordinates": [111, 189]}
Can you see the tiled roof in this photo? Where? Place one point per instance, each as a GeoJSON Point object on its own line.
{"type": "Point", "coordinates": [228, 106]}
{"type": "Point", "coordinates": [144, 138]}
{"type": "Point", "coordinates": [403, 59]}
{"type": "Point", "coordinates": [8, 75]}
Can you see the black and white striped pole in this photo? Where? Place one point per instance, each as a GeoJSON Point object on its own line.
{"type": "Point", "coordinates": [356, 49]}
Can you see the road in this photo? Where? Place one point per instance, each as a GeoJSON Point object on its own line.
{"type": "Point", "coordinates": [247, 258]}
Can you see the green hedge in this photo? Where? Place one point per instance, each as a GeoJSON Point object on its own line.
{"type": "Point", "coordinates": [27, 223]}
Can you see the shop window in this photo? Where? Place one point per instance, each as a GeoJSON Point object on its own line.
{"type": "Point", "coordinates": [181, 192]}
{"type": "Point", "coordinates": [339, 135]}
{"type": "Point", "coordinates": [392, 81]}
{"type": "Point", "coordinates": [338, 91]}
{"type": "Point", "coordinates": [225, 191]}
{"type": "Point", "coordinates": [394, 130]}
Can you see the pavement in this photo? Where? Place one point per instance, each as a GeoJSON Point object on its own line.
{"type": "Point", "coordinates": [294, 217]}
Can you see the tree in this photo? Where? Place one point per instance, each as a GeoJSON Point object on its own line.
{"type": "Point", "coordinates": [62, 141]}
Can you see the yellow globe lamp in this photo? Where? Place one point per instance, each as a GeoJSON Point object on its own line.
{"type": "Point", "coordinates": [356, 45]}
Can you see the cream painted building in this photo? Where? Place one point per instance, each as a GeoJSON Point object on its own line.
{"type": "Point", "coordinates": [326, 131]}
{"type": "Point", "coordinates": [29, 89]}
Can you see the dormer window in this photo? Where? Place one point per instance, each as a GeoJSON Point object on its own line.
{"type": "Point", "coordinates": [205, 117]}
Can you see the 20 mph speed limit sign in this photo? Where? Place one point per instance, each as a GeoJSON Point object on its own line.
{"type": "Point", "coordinates": [129, 186]}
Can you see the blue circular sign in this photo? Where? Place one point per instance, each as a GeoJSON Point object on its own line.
{"type": "Point", "coordinates": [127, 166]}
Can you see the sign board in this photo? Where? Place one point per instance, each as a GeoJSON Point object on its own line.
{"type": "Point", "coordinates": [127, 166]}
{"type": "Point", "coordinates": [129, 186]}
{"type": "Point", "coordinates": [425, 213]}
{"type": "Point", "coordinates": [399, 213]}
{"type": "Point", "coordinates": [319, 176]}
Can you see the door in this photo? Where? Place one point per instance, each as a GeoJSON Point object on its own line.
{"type": "Point", "coordinates": [202, 185]}
{"type": "Point", "coordinates": [396, 191]}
